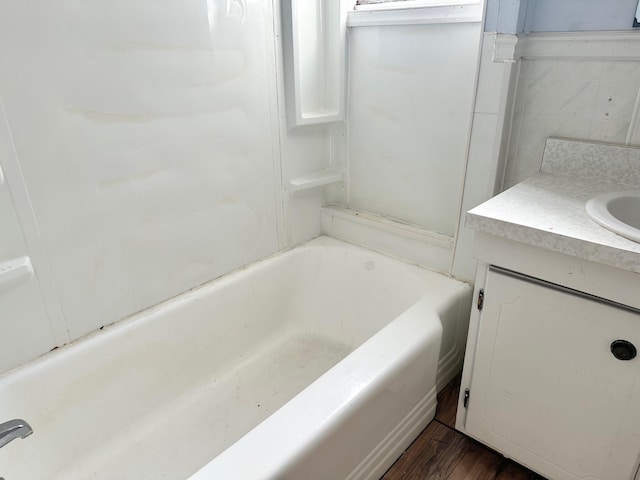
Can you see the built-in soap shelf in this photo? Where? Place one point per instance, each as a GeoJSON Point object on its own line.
{"type": "Point", "coordinates": [13, 271]}
{"type": "Point", "coordinates": [315, 179]}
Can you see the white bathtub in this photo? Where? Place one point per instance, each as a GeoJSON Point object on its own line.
{"type": "Point", "coordinates": [319, 363]}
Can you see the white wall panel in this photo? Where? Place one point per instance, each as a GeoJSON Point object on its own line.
{"type": "Point", "coordinates": [145, 134]}
{"type": "Point", "coordinates": [589, 99]}
{"type": "Point", "coordinates": [489, 138]}
{"type": "Point", "coordinates": [411, 101]}
{"type": "Point", "coordinates": [24, 323]}
{"type": "Point", "coordinates": [26, 329]}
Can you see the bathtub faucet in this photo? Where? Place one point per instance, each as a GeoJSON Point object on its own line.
{"type": "Point", "coordinates": [13, 429]}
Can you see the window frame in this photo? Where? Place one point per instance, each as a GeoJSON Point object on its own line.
{"type": "Point", "coordinates": [416, 12]}
{"type": "Point", "coordinates": [402, 4]}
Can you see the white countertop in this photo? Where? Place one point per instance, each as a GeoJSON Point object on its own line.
{"type": "Point", "coordinates": [547, 211]}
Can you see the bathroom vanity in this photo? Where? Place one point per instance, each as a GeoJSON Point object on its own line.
{"type": "Point", "coordinates": [551, 375]}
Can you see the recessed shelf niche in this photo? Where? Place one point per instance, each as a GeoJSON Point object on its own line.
{"type": "Point", "coordinates": [314, 48]}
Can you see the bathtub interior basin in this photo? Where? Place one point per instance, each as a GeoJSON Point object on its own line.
{"type": "Point", "coordinates": [618, 212]}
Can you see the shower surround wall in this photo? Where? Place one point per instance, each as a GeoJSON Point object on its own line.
{"type": "Point", "coordinates": [410, 108]}
{"type": "Point", "coordinates": [409, 120]}
{"type": "Point", "coordinates": [143, 152]}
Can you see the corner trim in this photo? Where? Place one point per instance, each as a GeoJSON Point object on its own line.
{"type": "Point", "coordinates": [504, 48]}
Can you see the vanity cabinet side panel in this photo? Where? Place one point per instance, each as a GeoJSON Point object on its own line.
{"type": "Point", "coordinates": [470, 350]}
{"type": "Point", "coordinates": [545, 388]}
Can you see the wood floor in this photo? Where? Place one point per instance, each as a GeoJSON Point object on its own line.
{"type": "Point", "coordinates": [442, 453]}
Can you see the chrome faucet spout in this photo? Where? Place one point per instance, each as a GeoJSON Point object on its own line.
{"type": "Point", "coordinates": [14, 429]}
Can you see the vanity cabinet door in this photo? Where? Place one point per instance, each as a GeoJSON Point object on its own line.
{"type": "Point", "coordinates": [546, 389]}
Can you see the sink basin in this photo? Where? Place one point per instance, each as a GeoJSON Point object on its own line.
{"type": "Point", "coordinates": [618, 212]}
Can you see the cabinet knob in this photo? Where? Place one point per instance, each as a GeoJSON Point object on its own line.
{"type": "Point", "coordinates": [623, 350]}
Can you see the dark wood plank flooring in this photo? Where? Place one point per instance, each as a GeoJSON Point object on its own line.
{"type": "Point", "coordinates": [442, 453]}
